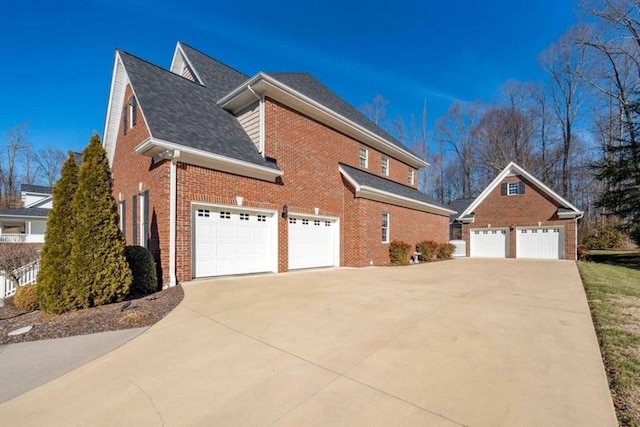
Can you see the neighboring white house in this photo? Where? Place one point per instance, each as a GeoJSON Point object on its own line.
{"type": "Point", "coordinates": [27, 224]}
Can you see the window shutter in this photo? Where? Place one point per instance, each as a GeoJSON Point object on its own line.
{"type": "Point", "coordinates": [521, 187]}
{"type": "Point", "coordinates": [134, 217]}
{"type": "Point", "coordinates": [123, 220]}
{"type": "Point", "coordinates": [125, 122]}
{"type": "Point", "coordinates": [503, 189]}
{"type": "Point", "coordinates": [144, 200]}
{"type": "Point", "coordinates": [134, 111]}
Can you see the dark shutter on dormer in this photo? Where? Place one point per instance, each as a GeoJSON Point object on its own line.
{"type": "Point", "coordinates": [503, 189]}
{"type": "Point", "coordinates": [125, 122]}
{"type": "Point", "coordinates": [521, 187]}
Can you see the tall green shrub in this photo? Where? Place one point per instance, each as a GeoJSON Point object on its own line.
{"type": "Point", "coordinates": [54, 276]}
{"type": "Point", "coordinates": [99, 269]}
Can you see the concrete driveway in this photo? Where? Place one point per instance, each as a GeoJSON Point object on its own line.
{"type": "Point", "coordinates": [464, 342]}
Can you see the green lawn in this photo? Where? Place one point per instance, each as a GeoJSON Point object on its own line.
{"type": "Point", "coordinates": [612, 284]}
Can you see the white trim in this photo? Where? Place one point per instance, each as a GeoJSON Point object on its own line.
{"type": "Point", "coordinates": [179, 50]}
{"type": "Point", "coordinates": [172, 218]}
{"type": "Point", "coordinates": [388, 227]}
{"type": "Point", "coordinates": [235, 208]}
{"type": "Point", "coordinates": [394, 199]}
{"type": "Point", "coordinates": [152, 147]}
{"type": "Point", "coordinates": [384, 168]}
{"type": "Point", "coordinates": [262, 126]}
{"type": "Point", "coordinates": [513, 168]}
{"type": "Point", "coordinates": [268, 84]}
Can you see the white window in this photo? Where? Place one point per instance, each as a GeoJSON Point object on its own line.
{"type": "Point", "coordinates": [244, 217]}
{"type": "Point", "coordinates": [133, 111]}
{"type": "Point", "coordinates": [384, 166]}
{"type": "Point", "coordinates": [385, 227]}
{"type": "Point", "coordinates": [123, 217]}
{"type": "Point", "coordinates": [512, 188]}
{"type": "Point", "coordinates": [225, 215]}
{"type": "Point", "coordinates": [262, 218]}
{"type": "Point", "coordinates": [144, 219]}
{"type": "Point", "coordinates": [410, 176]}
{"type": "Point", "coordinates": [364, 157]}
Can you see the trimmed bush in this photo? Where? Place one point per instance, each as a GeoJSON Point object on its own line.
{"type": "Point", "coordinates": [400, 252]}
{"type": "Point", "coordinates": [583, 252]}
{"type": "Point", "coordinates": [54, 276]}
{"type": "Point", "coordinates": [143, 269]}
{"type": "Point", "coordinates": [446, 250]}
{"type": "Point", "coordinates": [26, 298]}
{"type": "Point", "coordinates": [427, 249]}
{"type": "Point", "coordinates": [99, 270]}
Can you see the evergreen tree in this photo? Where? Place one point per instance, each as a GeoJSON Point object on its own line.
{"type": "Point", "coordinates": [54, 274]}
{"type": "Point", "coordinates": [620, 169]}
{"type": "Point", "coordinates": [99, 269]}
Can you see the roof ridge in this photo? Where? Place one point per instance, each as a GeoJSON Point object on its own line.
{"type": "Point", "coordinates": [212, 58]}
{"type": "Point", "coordinates": [157, 66]}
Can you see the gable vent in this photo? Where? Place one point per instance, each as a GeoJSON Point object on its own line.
{"type": "Point", "coordinates": [187, 73]}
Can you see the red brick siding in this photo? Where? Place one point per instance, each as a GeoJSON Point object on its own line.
{"type": "Point", "coordinates": [308, 153]}
{"type": "Point", "coordinates": [129, 170]}
{"type": "Point", "coordinates": [520, 210]}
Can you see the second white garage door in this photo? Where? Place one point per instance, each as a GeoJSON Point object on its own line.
{"type": "Point", "coordinates": [545, 243]}
{"type": "Point", "coordinates": [313, 242]}
{"type": "Point", "coordinates": [233, 241]}
{"type": "Point", "coordinates": [489, 243]}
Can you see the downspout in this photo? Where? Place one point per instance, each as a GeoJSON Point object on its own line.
{"type": "Point", "coordinates": [173, 156]}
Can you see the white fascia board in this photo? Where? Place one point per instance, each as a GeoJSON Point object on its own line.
{"type": "Point", "coordinates": [23, 216]}
{"type": "Point", "coordinates": [153, 146]}
{"type": "Point", "coordinates": [514, 168]}
{"type": "Point", "coordinates": [372, 193]}
{"type": "Point", "coordinates": [180, 51]}
{"type": "Point", "coordinates": [277, 85]}
{"type": "Point", "coordinates": [576, 215]}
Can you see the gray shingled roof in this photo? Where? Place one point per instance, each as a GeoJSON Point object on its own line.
{"type": "Point", "coordinates": [307, 85]}
{"type": "Point", "coordinates": [183, 112]}
{"type": "Point", "coordinates": [28, 212]}
{"type": "Point", "coordinates": [460, 205]}
{"type": "Point", "coordinates": [36, 189]}
{"type": "Point", "coordinates": [379, 183]}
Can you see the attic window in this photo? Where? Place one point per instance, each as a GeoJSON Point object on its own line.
{"type": "Point", "coordinates": [512, 188]}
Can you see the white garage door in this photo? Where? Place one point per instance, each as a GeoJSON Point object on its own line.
{"type": "Point", "coordinates": [228, 241]}
{"type": "Point", "coordinates": [540, 243]}
{"type": "Point", "coordinates": [489, 243]}
{"type": "Point", "coordinates": [312, 242]}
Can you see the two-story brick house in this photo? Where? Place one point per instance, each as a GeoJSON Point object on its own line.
{"type": "Point", "coordinates": [221, 173]}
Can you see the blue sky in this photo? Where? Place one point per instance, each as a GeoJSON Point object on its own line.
{"type": "Point", "coordinates": [56, 58]}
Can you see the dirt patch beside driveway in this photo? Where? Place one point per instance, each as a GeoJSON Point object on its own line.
{"type": "Point", "coordinates": [466, 342]}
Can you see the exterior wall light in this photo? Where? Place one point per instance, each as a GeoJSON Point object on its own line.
{"type": "Point", "coordinates": [285, 211]}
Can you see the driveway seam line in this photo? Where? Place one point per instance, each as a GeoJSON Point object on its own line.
{"type": "Point", "coordinates": [338, 374]}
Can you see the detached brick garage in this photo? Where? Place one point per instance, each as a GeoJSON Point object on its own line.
{"type": "Point", "coordinates": [517, 216]}
{"type": "Point", "coordinates": [221, 173]}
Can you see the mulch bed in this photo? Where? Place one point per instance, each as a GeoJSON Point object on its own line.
{"type": "Point", "coordinates": [142, 311]}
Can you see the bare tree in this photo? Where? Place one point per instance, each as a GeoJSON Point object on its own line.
{"type": "Point", "coordinates": [375, 110]}
{"type": "Point", "coordinates": [49, 161]}
{"type": "Point", "coordinates": [564, 61]}
{"type": "Point", "coordinates": [9, 163]}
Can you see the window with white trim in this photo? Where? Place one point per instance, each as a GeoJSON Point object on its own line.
{"type": "Point", "coordinates": [385, 227]}
{"type": "Point", "coordinates": [384, 166]}
{"type": "Point", "coordinates": [244, 217]}
{"type": "Point", "coordinates": [512, 188]}
{"type": "Point", "coordinates": [133, 111]}
{"type": "Point", "coordinates": [144, 219]}
{"type": "Point", "coordinates": [123, 217]}
{"type": "Point", "coordinates": [364, 157]}
{"type": "Point", "coordinates": [410, 176]}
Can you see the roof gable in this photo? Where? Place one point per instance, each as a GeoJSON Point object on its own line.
{"type": "Point", "coordinates": [513, 169]}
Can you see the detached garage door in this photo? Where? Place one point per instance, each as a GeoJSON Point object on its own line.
{"type": "Point", "coordinates": [312, 242]}
{"type": "Point", "coordinates": [489, 243]}
{"type": "Point", "coordinates": [546, 243]}
{"type": "Point", "coordinates": [232, 241]}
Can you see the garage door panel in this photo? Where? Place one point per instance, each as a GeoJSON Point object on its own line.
{"type": "Point", "coordinates": [489, 243]}
{"type": "Point", "coordinates": [233, 242]}
{"type": "Point", "coordinates": [543, 243]}
{"type": "Point", "coordinates": [311, 243]}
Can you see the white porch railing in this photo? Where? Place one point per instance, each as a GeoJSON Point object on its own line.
{"type": "Point", "coordinates": [461, 248]}
{"type": "Point", "coordinates": [26, 274]}
{"type": "Point", "coordinates": [21, 238]}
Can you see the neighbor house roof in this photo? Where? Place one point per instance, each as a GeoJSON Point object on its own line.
{"type": "Point", "coordinates": [39, 189]}
{"type": "Point", "coordinates": [184, 112]}
{"type": "Point", "coordinates": [373, 187]}
{"type": "Point", "coordinates": [25, 212]}
{"type": "Point", "coordinates": [565, 208]}
{"type": "Point", "coordinates": [459, 205]}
